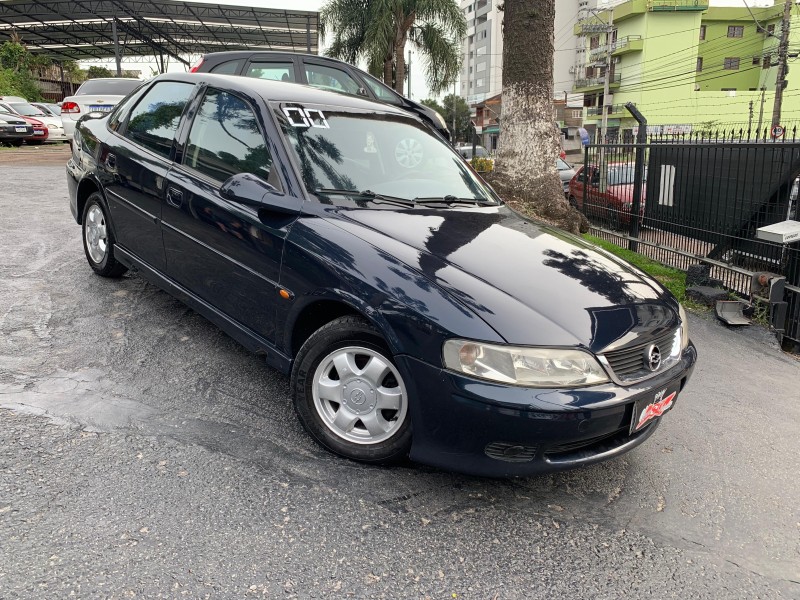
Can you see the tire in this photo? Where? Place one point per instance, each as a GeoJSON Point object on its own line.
{"type": "Point", "coordinates": [614, 219]}
{"type": "Point", "coordinates": [16, 143]}
{"type": "Point", "coordinates": [98, 239]}
{"type": "Point", "coordinates": [350, 422]}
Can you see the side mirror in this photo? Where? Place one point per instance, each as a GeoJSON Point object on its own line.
{"type": "Point", "coordinates": [251, 190]}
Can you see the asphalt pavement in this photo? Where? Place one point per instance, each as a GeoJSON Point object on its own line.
{"type": "Point", "coordinates": [143, 453]}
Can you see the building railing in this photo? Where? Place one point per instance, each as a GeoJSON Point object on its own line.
{"type": "Point", "coordinates": [598, 110]}
{"type": "Point", "coordinates": [658, 5]}
{"type": "Point", "coordinates": [593, 81]}
{"type": "Point", "coordinates": [625, 42]}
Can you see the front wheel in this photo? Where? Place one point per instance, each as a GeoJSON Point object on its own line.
{"type": "Point", "coordinates": [98, 239]}
{"type": "Point", "coordinates": [349, 394]}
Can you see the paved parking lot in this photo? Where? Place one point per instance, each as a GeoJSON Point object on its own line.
{"type": "Point", "coordinates": [144, 453]}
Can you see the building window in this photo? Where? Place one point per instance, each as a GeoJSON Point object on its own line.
{"type": "Point", "coordinates": [756, 60]}
{"type": "Point", "coordinates": [735, 31]}
{"type": "Point", "coordinates": [577, 114]}
{"type": "Point", "coordinates": [771, 29]}
{"type": "Point", "coordinates": [484, 34]}
{"type": "Point", "coordinates": [731, 64]}
{"type": "Point", "coordinates": [481, 67]}
{"type": "Point", "coordinates": [702, 32]}
{"type": "Point", "coordinates": [471, 54]}
{"type": "Point", "coordinates": [471, 39]}
{"type": "Point", "coordinates": [470, 70]}
{"type": "Point", "coordinates": [479, 83]}
{"type": "Point", "coordinates": [728, 89]}
{"type": "Point", "coordinates": [767, 63]}
{"type": "Point", "coordinates": [482, 51]}
{"type": "Point", "coordinates": [699, 64]}
{"type": "Point", "coordinates": [594, 42]}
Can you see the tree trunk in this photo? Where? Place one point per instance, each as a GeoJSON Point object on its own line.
{"type": "Point", "coordinates": [529, 145]}
{"type": "Point", "coordinates": [388, 72]}
{"type": "Point", "coordinates": [400, 63]}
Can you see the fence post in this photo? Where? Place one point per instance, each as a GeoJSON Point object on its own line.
{"type": "Point", "coordinates": [638, 170]}
{"type": "Point", "coordinates": [585, 175]}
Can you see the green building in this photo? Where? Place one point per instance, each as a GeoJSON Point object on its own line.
{"type": "Point", "coordinates": [686, 65]}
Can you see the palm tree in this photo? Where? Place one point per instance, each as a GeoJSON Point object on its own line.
{"type": "Point", "coordinates": [378, 30]}
{"type": "Point", "coordinates": [528, 143]}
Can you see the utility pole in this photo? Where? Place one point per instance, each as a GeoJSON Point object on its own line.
{"type": "Point", "coordinates": [408, 73]}
{"type": "Point", "coordinates": [607, 82]}
{"type": "Point", "coordinates": [780, 83]}
{"type": "Point", "coordinates": [761, 112]}
{"type": "Point", "coordinates": [750, 119]}
{"type": "Point", "coordinates": [606, 92]}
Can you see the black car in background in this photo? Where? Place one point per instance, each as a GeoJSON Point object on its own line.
{"type": "Point", "coordinates": [317, 71]}
{"type": "Point", "coordinates": [14, 129]}
{"type": "Point", "coordinates": [354, 249]}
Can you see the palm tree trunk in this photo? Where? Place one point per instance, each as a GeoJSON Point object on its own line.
{"type": "Point", "coordinates": [388, 71]}
{"type": "Point", "coordinates": [528, 143]}
{"type": "Point", "coordinates": [400, 63]}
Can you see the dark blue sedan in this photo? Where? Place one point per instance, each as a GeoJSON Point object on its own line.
{"type": "Point", "coordinates": [350, 245]}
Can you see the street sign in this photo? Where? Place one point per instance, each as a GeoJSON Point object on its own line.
{"type": "Point", "coordinates": [778, 131]}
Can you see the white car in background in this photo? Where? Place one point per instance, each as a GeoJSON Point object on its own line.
{"type": "Point", "coordinates": [95, 95]}
{"type": "Point", "coordinates": [20, 106]}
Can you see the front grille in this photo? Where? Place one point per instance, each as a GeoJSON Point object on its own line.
{"type": "Point", "coordinates": [628, 364]}
{"type": "Point", "coordinates": [510, 452]}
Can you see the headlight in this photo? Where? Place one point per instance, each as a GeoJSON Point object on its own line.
{"type": "Point", "coordinates": [530, 367]}
{"type": "Point", "coordinates": [441, 120]}
{"type": "Point", "coordinates": [684, 327]}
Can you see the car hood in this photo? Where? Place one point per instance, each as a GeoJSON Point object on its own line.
{"type": "Point", "coordinates": [533, 284]}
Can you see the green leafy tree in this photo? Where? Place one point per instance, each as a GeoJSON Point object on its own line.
{"type": "Point", "coordinates": [95, 72]}
{"type": "Point", "coordinates": [456, 105]}
{"type": "Point", "coordinates": [16, 65]}
{"type": "Point", "coordinates": [377, 31]}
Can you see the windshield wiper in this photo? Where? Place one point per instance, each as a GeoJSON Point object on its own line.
{"type": "Point", "coordinates": [451, 200]}
{"type": "Point", "coordinates": [367, 194]}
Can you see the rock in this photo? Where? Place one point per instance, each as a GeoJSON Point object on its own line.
{"type": "Point", "coordinates": [707, 295]}
{"type": "Point", "coordinates": [700, 274]}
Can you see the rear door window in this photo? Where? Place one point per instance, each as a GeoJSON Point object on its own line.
{"type": "Point", "coordinates": [155, 118]}
{"type": "Point", "coordinates": [276, 71]}
{"type": "Point", "coordinates": [225, 139]}
{"type": "Point", "coordinates": [230, 67]}
{"type": "Point", "coordinates": [330, 78]}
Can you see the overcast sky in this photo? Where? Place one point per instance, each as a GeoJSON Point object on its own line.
{"type": "Point", "coordinates": [419, 89]}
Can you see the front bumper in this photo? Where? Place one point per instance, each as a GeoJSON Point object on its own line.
{"type": "Point", "coordinates": [482, 428]}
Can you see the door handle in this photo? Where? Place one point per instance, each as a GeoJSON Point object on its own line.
{"type": "Point", "coordinates": [174, 197]}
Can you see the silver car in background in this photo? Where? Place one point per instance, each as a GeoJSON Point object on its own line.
{"type": "Point", "coordinates": [95, 95]}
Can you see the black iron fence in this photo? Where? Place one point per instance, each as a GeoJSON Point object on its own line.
{"type": "Point", "coordinates": [703, 196]}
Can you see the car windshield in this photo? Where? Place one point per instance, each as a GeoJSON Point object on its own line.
{"type": "Point", "coordinates": [386, 154]}
{"type": "Point", "coordinates": [28, 110]}
{"type": "Point", "coordinates": [621, 174]}
{"type": "Point", "coordinates": [112, 87]}
{"type": "Point", "coordinates": [561, 165]}
{"type": "Point", "coordinates": [54, 108]}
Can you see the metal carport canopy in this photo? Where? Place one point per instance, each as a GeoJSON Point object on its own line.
{"type": "Point", "coordinates": [87, 29]}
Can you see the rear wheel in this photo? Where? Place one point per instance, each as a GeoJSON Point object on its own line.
{"type": "Point", "coordinates": [98, 239]}
{"type": "Point", "coordinates": [349, 394]}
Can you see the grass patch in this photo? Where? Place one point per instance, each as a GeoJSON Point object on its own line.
{"type": "Point", "coordinates": [672, 279]}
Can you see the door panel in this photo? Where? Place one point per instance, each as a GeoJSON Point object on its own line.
{"type": "Point", "coordinates": [136, 165]}
{"type": "Point", "coordinates": [222, 251]}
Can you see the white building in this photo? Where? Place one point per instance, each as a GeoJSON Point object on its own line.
{"type": "Point", "coordinates": [482, 71]}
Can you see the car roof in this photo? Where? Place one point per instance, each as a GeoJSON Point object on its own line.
{"type": "Point", "coordinates": [282, 91]}
{"type": "Point", "coordinates": [234, 54]}
{"type": "Point", "coordinates": [113, 79]}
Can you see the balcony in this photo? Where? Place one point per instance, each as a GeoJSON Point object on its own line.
{"type": "Point", "coordinates": [675, 5]}
{"type": "Point", "coordinates": [627, 44]}
{"type": "Point", "coordinates": [596, 83]}
{"type": "Point", "coordinates": [615, 111]}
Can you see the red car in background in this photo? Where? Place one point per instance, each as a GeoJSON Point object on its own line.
{"type": "Point", "coordinates": [612, 206]}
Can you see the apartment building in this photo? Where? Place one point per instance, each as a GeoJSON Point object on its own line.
{"type": "Point", "coordinates": [684, 63]}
